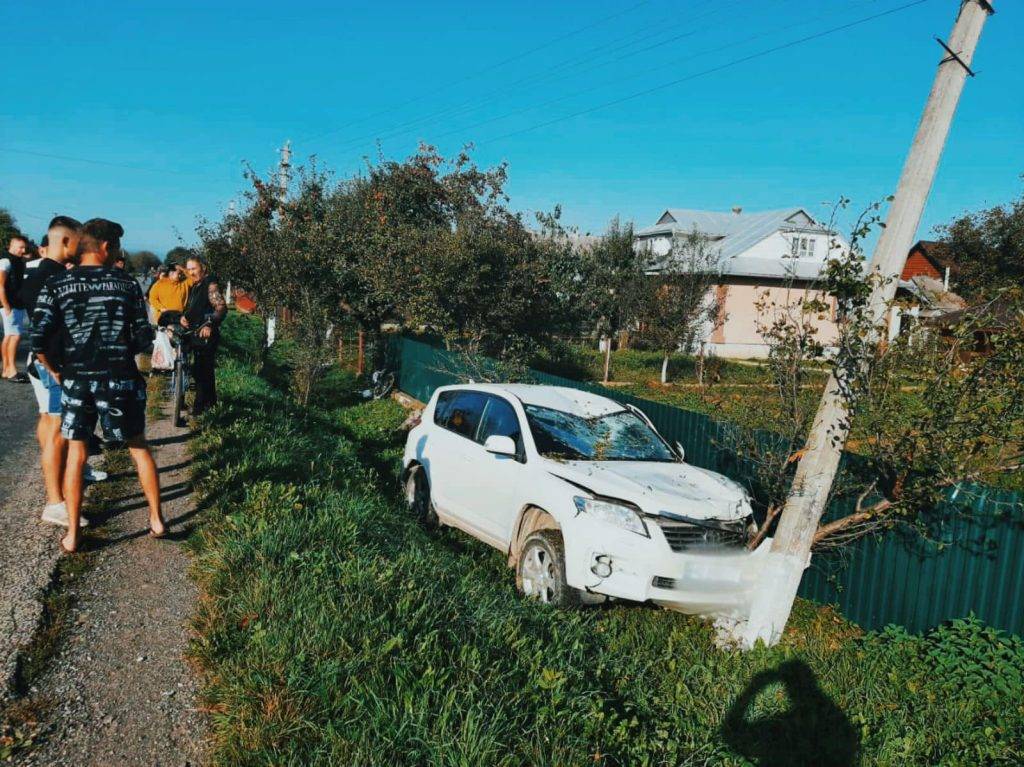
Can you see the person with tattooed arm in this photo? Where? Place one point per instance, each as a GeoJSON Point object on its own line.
{"type": "Point", "coordinates": [205, 310]}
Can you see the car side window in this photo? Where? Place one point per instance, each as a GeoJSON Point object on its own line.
{"type": "Point", "coordinates": [464, 413]}
{"type": "Point", "coordinates": [443, 407]}
{"type": "Point", "coordinates": [501, 419]}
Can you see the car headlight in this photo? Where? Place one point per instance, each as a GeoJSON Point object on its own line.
{"type": "Point", "coordinates": [613, 513]}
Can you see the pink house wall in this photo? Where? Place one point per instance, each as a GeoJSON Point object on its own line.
{"type": "Point", "coordinates": [738, 334]}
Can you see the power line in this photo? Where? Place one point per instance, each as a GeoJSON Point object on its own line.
{"type": "Point", "coordinates": [709, 71]}
{"type": "Point", "coordinates": [539, 76]}
{"type": "Point", "coordinates": [90, 161]}
{"type": "Point", "coordinates": [602, 86]}
{"type": "Point", "coordinates": [480, 72]}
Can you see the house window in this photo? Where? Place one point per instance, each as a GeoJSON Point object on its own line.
{"type": "Point", "coordinates": [803, 247]}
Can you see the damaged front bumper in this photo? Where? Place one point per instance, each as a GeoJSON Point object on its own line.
{"type": "Point", "coordinates": [703, 579]}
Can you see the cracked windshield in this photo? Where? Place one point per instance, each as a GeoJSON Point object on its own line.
{"type": "Point", "coordinates": [620, 436]}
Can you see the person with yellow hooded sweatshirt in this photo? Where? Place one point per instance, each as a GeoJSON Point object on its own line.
{"type": "Point", "coordinates": [169, 292]}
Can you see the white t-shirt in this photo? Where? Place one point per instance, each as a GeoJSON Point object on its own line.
{"type": "Point", "coordinates": [5, 265]}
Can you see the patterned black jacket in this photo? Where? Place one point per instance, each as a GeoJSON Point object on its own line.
{"type": "Point", "coordinates": [99, 316]}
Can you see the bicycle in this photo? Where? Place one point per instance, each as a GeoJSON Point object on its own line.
{"type": "Point", "coordinates": [382, 383]}
{"type": "Point", "coordinates": [181, 375]}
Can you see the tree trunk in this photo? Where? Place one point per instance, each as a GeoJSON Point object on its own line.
{"type": "Point", "coordinates": [700, 365]}
{"type": "Point", "coordinates": [607, 357]}
{"type": "Point", "coordinates": [664, 370]}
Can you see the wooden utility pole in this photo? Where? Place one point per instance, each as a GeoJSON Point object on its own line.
{"type": "Point", "coordinates": [791, 548]}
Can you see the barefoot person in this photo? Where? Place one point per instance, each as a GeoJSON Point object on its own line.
{"type": "Point", "coordinates": [99, 314]}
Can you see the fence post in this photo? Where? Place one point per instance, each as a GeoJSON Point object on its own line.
{"type": "Point", "coordinates": [362, 349]}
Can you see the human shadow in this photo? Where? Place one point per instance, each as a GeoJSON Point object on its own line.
{"type": "Point", "coordinates": [134, 501]}
{"type": "Point", "coordinates": [184, 436]}
{"type": "Point", "coordinates": [811, 731]}
{"type": "Point", "coordinates": [128, 474]}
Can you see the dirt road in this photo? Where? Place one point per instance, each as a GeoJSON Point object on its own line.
{"type": "Point", "coordinates": [28, 551]}
{"type": "Point", "coordinates": [119, 691]}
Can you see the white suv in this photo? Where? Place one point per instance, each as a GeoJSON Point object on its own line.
{"type": "Point", "coordinates": [583, 495]}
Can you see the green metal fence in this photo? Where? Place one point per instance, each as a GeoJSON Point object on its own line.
{"type": "Point", "coordinates": [977, 567]}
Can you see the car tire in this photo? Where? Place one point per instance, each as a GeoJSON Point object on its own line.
{"type": "Point", "coordinates": [417, 497]}
{"type": "Point", "coordinates": [540, 570]}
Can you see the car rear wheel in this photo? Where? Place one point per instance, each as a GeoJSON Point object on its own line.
{"type": "Point", "coordinates": [540, 571]}
{"type": "Point", "coordinates": [417, 496]}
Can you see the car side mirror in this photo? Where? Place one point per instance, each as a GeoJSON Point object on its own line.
{"type": "Point", "coordinates": [500, 445]}
{"type": "Point", "coordinates": [681, 451]}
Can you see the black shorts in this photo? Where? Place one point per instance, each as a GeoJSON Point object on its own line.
{"type": "Point", "coordinates": [118, 404]}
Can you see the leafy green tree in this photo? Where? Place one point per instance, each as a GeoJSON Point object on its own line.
{"type": "Point", "coordinates": [177, 255]}
{"type": "Point", "coordinates": [988, 249]}
{"type": "Point", "coordinates": [143, 260]}
{"type": "Point", "coordinates": [8, 228]}
{"type": "Point", "coordinates": [428, 243]}
{"type": "Point", "coordinates": [678, 302]}
{"type": "Point", "coordinates": [614, 278]}
{"type": "Point", "coordinates": [283, 252]}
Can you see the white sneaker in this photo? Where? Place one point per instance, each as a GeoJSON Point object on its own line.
{"type": "Point", "coordinates": [57, 514]}
{"type": "Point", "coordinates": [89, 474]}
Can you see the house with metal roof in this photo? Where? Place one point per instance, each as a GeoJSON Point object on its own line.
{"type": "Point", "coordinates": [768, 261]}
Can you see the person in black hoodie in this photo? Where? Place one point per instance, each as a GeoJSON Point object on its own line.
{"type": "Point", "coordinates": [205, 309]}
{"type": "Point", "coordinates": [99, 314]}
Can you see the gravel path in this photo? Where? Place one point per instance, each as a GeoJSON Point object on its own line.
{"type": "Point", "coordinates": [120, 689]}
{"type": "Point", "coordinates": [28, 548]}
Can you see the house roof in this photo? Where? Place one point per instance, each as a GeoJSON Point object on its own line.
{"type": "Point", "coordinates": [1001, 312]}
{"type": "Point", "coordinates": [930, 292]}
{"type": "Point", "coordinates": [938, 253]}
{"type": "Point", "coordinates": [735, 233]}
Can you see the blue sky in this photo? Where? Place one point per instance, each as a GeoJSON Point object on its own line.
{"type": "Point", "coordinates": [182, 93]}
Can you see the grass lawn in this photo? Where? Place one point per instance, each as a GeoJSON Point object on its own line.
{"type": "Point", "coordinates": [736, 391]}
{"type": "Point", "coordinates": [335, 630]}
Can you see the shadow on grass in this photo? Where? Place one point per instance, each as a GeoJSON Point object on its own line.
{"type": "Point", "coordinates": [811, 731]}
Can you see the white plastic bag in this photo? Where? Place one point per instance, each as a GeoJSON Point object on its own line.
{"type": "Point", "coordinates": [163, 353]}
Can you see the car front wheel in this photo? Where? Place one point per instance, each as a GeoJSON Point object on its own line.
{"type": "Point", "coordinates": [540, 572]}
{"type": "Point", "coordinates": [417, 496]}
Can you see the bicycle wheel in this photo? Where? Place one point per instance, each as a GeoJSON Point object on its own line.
{"type": "Point", "coordinates": [178, 390]}
{"type": "Point", "coordinates": [186, 384]}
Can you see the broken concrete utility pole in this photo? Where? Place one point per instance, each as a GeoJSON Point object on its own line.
{"type": "Point", "coordinates": [791, 548]}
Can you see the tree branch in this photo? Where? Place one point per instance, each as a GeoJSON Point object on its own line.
{"type": "Point", "coordinates": [858, 517]}
{"type": "Point", "coordinates": [773, 512]}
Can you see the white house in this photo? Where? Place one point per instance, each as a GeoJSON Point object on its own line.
{"type": "Point", "coordinates": [774, 257]}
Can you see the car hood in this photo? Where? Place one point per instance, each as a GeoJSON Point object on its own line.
{"type": "Point", "coordinates": [659, 488]}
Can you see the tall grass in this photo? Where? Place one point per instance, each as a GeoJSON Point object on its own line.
{"type": "Point", "coordinates": [335, 630]}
